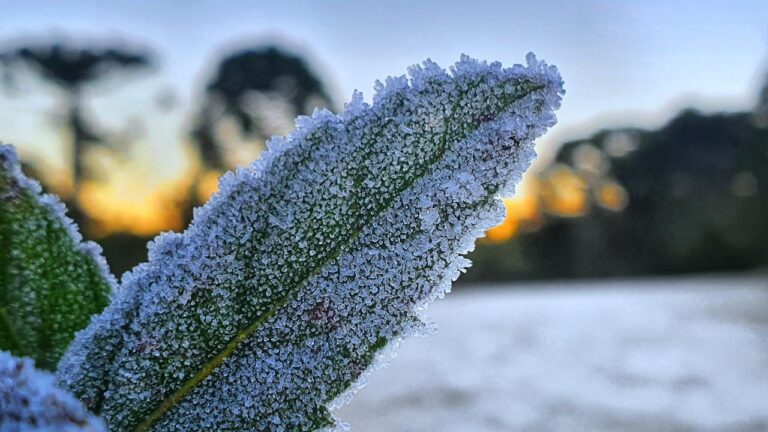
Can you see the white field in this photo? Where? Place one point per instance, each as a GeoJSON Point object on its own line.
{"type": "Point", "coordinates": [656, 355]}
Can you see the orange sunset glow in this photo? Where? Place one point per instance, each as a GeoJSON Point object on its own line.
{"type": "Point", "coordinates": [126, 202]}
{"type": "Point", "coordinates": [123, 205]}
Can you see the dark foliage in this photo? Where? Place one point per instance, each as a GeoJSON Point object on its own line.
{"type": "Point", "coordinates": [698, 201]}
{"type": "Point", "coordinates": [72, 68]}
{"type": "Point", "coordinates": [267, 70]}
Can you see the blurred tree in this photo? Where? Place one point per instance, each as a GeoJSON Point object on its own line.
{"type": "Point", "coordinates": [696, 200]}
{"type": "Point", "coordinates": [761, 109]}
{"type": "Point", "coordinates": [261, 90]}
{"type": "Point", "coordinates": [72, 69]}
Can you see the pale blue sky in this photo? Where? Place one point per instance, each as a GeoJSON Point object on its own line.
{"type": "Point", "coordinates": [624, 62]}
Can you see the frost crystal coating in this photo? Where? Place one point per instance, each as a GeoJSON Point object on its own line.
{"type": "Point", "coordinates": [29, 401]}
{"type": "Point", "coordinates": [51, 282]}
{"type": "Point", "coordinates": [292, 279]}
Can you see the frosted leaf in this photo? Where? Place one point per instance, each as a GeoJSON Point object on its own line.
{"type": "Point", "coordinates": [51, 282]}
{"type": "Point", "coordinates": [30, 402]}
{"type": "Point", "coordinates": [288, 284]}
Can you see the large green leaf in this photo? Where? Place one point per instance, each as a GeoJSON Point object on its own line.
{"type": "Point", "coordinates": [289, 282]}
{"type": "Point", "coordinates": [50, 281]}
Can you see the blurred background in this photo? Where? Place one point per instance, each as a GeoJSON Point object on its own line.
{"type": "Point", "coordinates": [626, 289]}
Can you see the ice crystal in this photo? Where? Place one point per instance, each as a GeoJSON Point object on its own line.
{"type": "Point", "coordinates": [305, 265]}
{"type": "Point", "coordinates": [51, 282]}
{"type": "Point", "coordinates": [30, 402]}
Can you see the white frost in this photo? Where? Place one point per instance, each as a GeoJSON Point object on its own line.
{"type": "Point", "coordinates": [30, 402]}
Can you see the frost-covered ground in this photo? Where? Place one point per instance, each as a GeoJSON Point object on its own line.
{"type": "Point", "coordinates": [661, 355]}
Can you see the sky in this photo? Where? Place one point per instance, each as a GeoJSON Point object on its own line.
{"type": "Point", "coordinates": [624, 62]}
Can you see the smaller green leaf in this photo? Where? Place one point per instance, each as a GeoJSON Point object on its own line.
{"type": "Point", "coordinates": [51, 282]}
{"type": "Point", "coordinates": [30, 402]}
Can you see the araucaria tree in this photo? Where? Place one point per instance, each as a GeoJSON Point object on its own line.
{"type": "Point", "coordinates": [73, 69]}
{"type": "Point", "coordinates": [290, 282]}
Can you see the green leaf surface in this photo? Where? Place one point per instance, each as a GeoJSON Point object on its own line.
{"type": "Point", "coordinates": [51, 282]}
